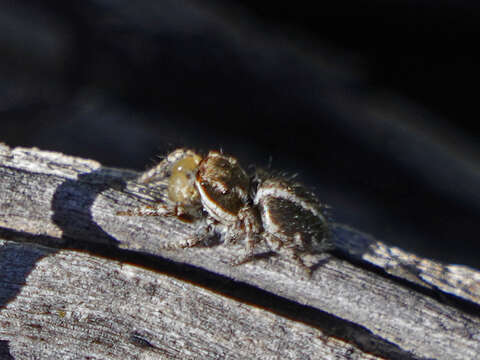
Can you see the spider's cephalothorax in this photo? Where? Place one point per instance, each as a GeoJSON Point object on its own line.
{"type": "Point", "coordinates": [292, 219]}
{"type": "Point", "coordinates": [224, 189]}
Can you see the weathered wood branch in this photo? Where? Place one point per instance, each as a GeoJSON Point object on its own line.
{"type": "Point", "coordinates": [82, 276]}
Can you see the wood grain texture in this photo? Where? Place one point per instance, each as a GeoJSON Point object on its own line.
{"type": "Point", "coordinates": [365, 298]}
{"type": "Point", "coordinates": [75, 305]}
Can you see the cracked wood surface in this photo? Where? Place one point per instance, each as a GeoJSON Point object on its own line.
{"type": "Point", "coordinates": [81, 274]}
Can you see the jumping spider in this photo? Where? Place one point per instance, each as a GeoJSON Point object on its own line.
{"type": "Point", "coordinates": [265, 207]}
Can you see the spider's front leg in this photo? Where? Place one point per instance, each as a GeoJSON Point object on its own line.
{"type": "Point", "coordinates": [203, 231]}
{"type": "Point", "coordinates": [251, 228]}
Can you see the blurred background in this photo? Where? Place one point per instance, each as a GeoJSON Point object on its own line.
{"type": "Point", "coordinates": [373, 103]}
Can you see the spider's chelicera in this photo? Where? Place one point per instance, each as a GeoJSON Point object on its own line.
{"type": "Point", "coordinates": [215, 191]}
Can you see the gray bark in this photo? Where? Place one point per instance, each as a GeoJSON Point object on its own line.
{"type": "Point", "coordinates": [83, 275]}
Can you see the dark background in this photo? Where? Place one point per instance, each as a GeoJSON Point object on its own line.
{"type": "Point", "coordinates": [374, 104]}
